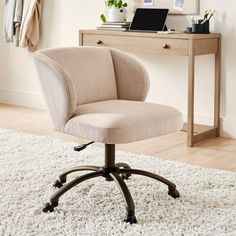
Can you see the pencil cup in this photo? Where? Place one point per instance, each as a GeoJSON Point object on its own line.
{"type": "Point", "coordinates": [201, 28]}
{"type": "Point", "coordinates": [197, 28]}
{"type": "Point", "coordinates": [206, 26]}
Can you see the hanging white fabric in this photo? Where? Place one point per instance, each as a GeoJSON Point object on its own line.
{"type": "Point", "coordinates": [12, 20]}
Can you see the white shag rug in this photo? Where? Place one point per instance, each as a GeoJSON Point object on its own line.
{"type": "Point", "coordinates": [30, 164]}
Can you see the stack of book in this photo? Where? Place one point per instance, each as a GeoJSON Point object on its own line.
{"type": "Point", "coordinates": [120, 26]}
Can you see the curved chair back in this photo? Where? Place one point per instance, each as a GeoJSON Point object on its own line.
{"type": "Point", "coordinates": [80, 75]}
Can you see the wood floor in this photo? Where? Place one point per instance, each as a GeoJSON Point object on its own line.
{"type": "Point", "coordinates": [215, 153]}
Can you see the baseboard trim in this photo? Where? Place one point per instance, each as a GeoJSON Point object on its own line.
{"type": "Point", "coordinates": [22, 98]}
{"type": "Point", "coordinates": [227, 127]}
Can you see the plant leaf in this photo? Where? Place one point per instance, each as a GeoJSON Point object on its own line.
{"type": "Point", "coordinates": [103, 18]}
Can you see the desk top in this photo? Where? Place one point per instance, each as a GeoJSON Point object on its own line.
{"type": "Point", "coordinates": [152, 35]}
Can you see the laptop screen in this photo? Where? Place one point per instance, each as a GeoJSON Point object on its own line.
{"type": "Point", "coordinates": [149, 19]}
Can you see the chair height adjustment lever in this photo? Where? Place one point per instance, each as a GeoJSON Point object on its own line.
{"type": "Point", "coordinates": [82, 146]}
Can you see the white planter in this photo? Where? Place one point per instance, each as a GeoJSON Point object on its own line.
{"type": "Point", "coordinates": [116, 15]}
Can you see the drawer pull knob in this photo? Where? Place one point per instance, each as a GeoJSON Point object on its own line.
{"type": "Point", "coordinates": [166, 46]}
{"type": "Point", "coordinates": [99, 42]}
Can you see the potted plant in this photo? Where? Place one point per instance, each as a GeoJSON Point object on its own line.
{"type": "Point", "coordinates": [116, 10]}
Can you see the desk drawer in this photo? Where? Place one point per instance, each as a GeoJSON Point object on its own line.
{"type": "Point", "coordinates": [139, 44]}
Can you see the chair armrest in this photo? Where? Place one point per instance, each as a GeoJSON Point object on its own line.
{"type": "Point", "coordinates": [131, 77]}
{"type": "Point", "coordinates": [58, 90]}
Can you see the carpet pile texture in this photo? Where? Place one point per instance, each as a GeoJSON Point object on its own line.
{"type": "Point", "coordinates": [30, 164]}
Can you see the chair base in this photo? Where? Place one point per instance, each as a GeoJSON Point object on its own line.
{"type": "Point", "coordinates": [111, 172]}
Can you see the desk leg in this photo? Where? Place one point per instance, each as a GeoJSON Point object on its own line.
{"type": "Point", "coordinates": [217, 89]}
{"type": "Point", "coordinates": [191, 75]}
{"type": "Point", "coordinates": [210, 132]}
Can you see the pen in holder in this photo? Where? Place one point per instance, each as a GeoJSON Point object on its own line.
{"type": "Point", "coordinates": [202, 27]}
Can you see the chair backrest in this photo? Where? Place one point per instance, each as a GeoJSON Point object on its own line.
{"type": "Point", "coordinates": [79, 75]}
{"type": "Point", "coordinates": [90, 69]}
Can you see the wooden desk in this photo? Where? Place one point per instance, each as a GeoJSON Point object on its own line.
{"type": "Point", "coordinates": [189, 45]}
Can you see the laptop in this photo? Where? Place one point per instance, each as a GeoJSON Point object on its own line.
{"type": "Point", "coordinates": [149, 20]}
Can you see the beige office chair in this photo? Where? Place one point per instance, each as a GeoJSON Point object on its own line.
{"type": "Point", "coordinates": [97, 94]}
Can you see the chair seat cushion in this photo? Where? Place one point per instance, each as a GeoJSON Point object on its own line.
{"type": "Point", "coordinates": [122, 121]}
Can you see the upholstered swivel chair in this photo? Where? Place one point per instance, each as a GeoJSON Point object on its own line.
{"type": "Point", "coordinates": [97, 94]}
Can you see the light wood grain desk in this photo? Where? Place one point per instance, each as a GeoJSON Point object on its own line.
{"type": "Point", "coordinates": [189, 45]}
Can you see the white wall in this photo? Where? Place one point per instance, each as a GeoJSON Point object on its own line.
{"type": "Point", "coordinates": [61, 22]}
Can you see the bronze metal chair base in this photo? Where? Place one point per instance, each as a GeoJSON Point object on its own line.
{"type": "Point", "coordinates": [111, 172]}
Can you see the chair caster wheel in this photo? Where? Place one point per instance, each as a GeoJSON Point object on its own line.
{"type": "Point", "coordinates": [49, 207]}
{"type": "Point", "coordinates": [58, 184]}
{"type": "Point", "coordinates": [130, 218]}
{"type": "Point", "coordinates": [174, 193]}
{"type": "Point", "coordinates": [125, 176]}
